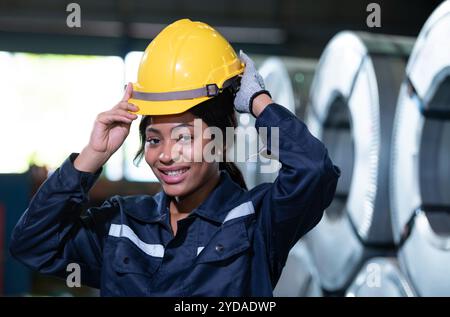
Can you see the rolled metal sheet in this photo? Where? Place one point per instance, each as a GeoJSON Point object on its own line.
{"type": "Point", "coordinates": [277, 81]}
{"type": "Point", "coordinates": [300, 72]}
{"type": "Point", "coordinates": [299, 277]}
{"type": "Point", "coordinates": [335, 250]}
{"type": "Point", "coordinates": [380, 277]}
{"type": "Point", "coordinates": [420, 181]}
{"type": "Point", "coordinates": [352, 105]}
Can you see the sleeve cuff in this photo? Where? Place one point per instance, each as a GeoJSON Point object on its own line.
{"type": "Point", "coordinates": [73, 178]}
{"type": "Point", "coordinates": [272, 115]}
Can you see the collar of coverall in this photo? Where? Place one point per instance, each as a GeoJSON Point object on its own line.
{"type": "Point", "coordinates": [220, 201]}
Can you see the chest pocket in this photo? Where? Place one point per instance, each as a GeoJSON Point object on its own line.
{"type": "Point", "coordinates": [230, 241]}
{"type": "Point", "coordinates": [128, 258]}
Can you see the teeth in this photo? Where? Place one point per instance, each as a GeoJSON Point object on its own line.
{"type": "Point", "coordinates": [177, 172]}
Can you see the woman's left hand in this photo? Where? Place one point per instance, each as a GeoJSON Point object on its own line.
{"type": "Point", "coordinates": [252, 85]}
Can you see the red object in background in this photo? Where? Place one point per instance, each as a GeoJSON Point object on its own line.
{"type": "Point", "coordinates": [2, 247]}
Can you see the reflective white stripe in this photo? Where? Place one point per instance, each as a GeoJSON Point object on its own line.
{"type": "Point", "coordinates": [240, 211]}
{"type": "Point", "coordinates": [199, 249]}
{"type": "Point", "coordinates": [156, 250]}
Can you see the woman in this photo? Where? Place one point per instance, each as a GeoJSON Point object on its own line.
{"type": "Point", "coordinates": [204, 234]}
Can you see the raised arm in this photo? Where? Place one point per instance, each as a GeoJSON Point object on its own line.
{"type": "Point", "coordinates": [306, 182]}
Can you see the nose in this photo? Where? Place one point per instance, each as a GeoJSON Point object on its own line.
{"type": "Point", "coordinates": [164, 158]}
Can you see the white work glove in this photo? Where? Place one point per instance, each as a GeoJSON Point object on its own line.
{"type": "Point", "coordinates": [252, 85]}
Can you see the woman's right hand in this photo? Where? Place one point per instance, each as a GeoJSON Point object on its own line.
{"type": "Point", "coordinates": [110, 130]}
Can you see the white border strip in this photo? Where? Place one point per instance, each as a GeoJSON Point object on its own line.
{"type": "Point", "coordinates": [199, 249]}
{"type": "Point", "coordinates": [119, 231]}
{"type": "Point", "coordinates": [244, 209]}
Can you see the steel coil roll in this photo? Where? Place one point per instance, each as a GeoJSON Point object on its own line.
{"type": "Point", "coordinates": [299, 277]}
{"type": "Point", "coordinates": [352, 104]}
{"type": "Point", "coordinates": [380, 277]}
{"type": "Point", "coordinates": [420, 181]}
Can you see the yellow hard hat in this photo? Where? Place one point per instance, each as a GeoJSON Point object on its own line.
{"type": "Point", "coordinates": [185, 64]}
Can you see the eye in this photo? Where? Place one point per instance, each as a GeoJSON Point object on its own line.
{"type": "Point", "coordinates": [184, 138]}
{"type": "Point", "coordinates": [152, 141]}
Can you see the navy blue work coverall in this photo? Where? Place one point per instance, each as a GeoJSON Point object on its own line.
{"type": "Point", "coordinates": [234, 244]}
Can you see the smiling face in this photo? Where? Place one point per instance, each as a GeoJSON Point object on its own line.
{"type": "Point", "coordinates": [175, 154]}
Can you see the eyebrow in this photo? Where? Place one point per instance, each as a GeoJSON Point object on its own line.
{"type": "Point", "coordinates": [150, 129]}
